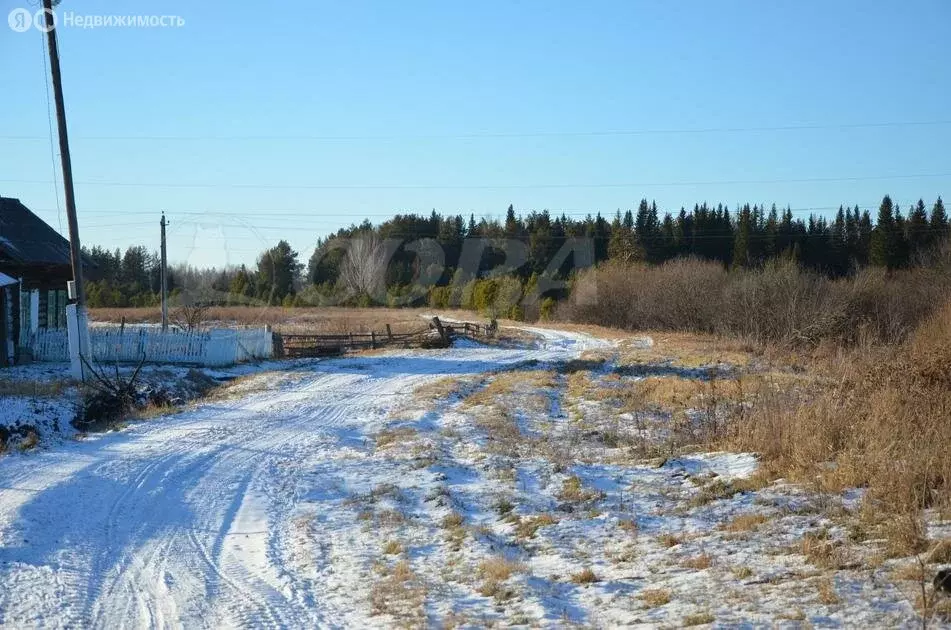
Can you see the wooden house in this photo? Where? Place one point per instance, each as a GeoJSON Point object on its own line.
{"type": "Point", "coordinates": [34, 268]}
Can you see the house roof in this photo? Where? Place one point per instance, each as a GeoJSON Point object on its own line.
{"type": "Point", "coordinates": [6, 280]}
{"type": "Point", "coordinates": [25, 239]}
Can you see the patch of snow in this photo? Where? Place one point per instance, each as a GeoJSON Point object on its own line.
{"type": "Point", "coordinates": [726, 465]}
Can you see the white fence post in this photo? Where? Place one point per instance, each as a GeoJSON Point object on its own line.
{"type": "Point", "coordinates": [77, 332]}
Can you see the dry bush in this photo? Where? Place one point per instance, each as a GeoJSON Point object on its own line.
{"type": "Point", "coordinates": [775, 303]}
{"type": "Point", "coordinates": [190, 316]}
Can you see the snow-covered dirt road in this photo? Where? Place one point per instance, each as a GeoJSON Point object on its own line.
{"type": "Point", "coordinates": [223, 515]}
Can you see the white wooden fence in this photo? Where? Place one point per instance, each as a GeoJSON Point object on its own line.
{"type": "Point", "coordinates": [218, 347]}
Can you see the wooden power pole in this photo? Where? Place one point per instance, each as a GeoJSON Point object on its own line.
{"type": "Point", "coordinates": [75, 249]}
{"type": "Point", "coordinates": [163, 223]}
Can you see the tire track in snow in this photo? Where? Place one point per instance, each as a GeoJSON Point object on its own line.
{"type": "Point", "coordinates": [164, 509]}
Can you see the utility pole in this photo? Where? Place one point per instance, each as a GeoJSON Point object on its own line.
{"type": "Point", "coordinates": [163, 223]}
{"type": "Point", "coordinates": [75, 250]}
{"type": "Point", "coordinates": [77, 328]}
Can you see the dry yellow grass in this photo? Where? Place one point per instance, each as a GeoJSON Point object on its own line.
{"type": "Point", "coordinates": [688, 350]}
{"type": "Point", "coordinates": [32, 388]}
{"type": "Point", "coordinates": [30, 442]}
{"type": "Point", "coordinates": [395, 436]}
{"type": "Point", "coordinates": [941, 552]}
{"type": "Point", "coordinates": [629, 525]}
{"type": "Point", "coordinates": [826, 592]}
{"type": "Point", "coordinates": [453, 520]}
{"type": "Point", "coordinates": [442, 388]}
{"type": "Point", "coordinates": [324, 319]}
{"type": "Point", "coordinates": [494, 572]}
{"type": "Point", "coordinates": [393, 548]}
{"type": "Point", "coordinates": [912, 572]}
{"type": "Point", "coordinates": [698, 619]}
{"type": "Point", "coordinates": [519, 381]}
{"type": "Point", "coordinates": [654, 597]}
{"type": "Point", "coordinates": [745, 523]}
{"type": "Point", "coordinates": [526, 528]}
{"type": "Point", "coordinates": [741, 572]}
{"type": "Point", "coordinates": [499, 568]}
{"type": "Point", "coordinates": [703, 561]}
{"type": "Point", "coordinates": [845, 434]}
{"type": "Point", "coordinates": [574, 491]}
{"type": "Point", "coordinates": [585, 576]}
{"type": "Point", "coordinates": [400, 594]}
{"type": "Point", "coordinates": [825, 553]}
{"type": "Point", "coordinates": [669, 540]}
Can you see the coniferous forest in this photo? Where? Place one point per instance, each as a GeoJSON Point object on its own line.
{"type": "Point", "coordinates": [390, 271]}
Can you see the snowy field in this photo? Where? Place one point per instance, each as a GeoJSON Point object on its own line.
{"type": "Point", "coordinates": [470, 487]}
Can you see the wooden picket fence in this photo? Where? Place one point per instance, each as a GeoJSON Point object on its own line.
{"type": "Point", "coordinates": [223, 347]}
{"type": "Point", "coordinates": [212, 348]}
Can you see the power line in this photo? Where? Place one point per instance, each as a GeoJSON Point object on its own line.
{"type": "Point", "coordinates": [318, 215]}
{"type": "Point", "coordinates": [798, 180]}
{"type": "Point", "coordinates": [488, 135]}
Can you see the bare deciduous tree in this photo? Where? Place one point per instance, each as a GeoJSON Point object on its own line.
{"type": "Point", "coordinates": [190, 316]}
{"type": "Point", "coordinates": [363, 270]}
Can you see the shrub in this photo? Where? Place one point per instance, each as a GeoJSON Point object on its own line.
{"type": "Point", "coordinates": [775, 303]}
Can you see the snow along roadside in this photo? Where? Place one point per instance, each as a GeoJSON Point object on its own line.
{"type": "Point", "coordinates": [192, 519]}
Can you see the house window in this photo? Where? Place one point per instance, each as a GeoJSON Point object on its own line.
{"type": "Point", "coordinates": [26, 316]}
{"type": "Point", "coordinates": [56, 308]}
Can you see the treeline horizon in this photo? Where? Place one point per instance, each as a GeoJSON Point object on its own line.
{"type": "Point", "coordinates": [749, 236]}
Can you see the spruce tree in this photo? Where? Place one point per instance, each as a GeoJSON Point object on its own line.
{"type": "Point", "coordinates": [938, 225]}
{"type": "Point", "coordinates": [741, 241]}
{"type": "Point", "coordinates": [883, 250]}
{"type": "Point", "coordinates": [916, 231]}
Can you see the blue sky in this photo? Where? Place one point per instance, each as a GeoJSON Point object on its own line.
{"type": "Point", "coordinates": [250, 123]}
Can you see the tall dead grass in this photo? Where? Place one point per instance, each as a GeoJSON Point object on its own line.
{"type": "Point", "coordinates": [777, 303]}
{"type": "Point", "coordinates": [328, 320]}
{"type": "Point", "coordinates": [883, 424]}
